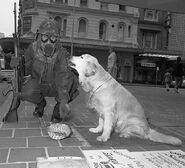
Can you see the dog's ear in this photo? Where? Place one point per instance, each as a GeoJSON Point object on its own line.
{"type": "Point", "coordinates": [91, 69]}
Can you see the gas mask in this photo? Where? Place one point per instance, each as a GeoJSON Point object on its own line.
{"type": "Point", "coordinates": [48, 37]}
{"type": "Point", "coordinates": [48, 42]}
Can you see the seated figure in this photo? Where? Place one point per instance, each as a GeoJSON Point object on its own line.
{"type": "Point", "coordinates": [47, 75]}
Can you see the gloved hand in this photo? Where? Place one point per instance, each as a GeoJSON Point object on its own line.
{"type": "Point", "coordinates": [65, 111]}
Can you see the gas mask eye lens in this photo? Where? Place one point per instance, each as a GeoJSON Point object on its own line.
{"type": "Point", "coordinates": [44, 38]}
{"type": "Point", "coordinates": [53, 39]}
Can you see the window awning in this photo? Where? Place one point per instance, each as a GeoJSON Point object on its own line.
{"type": "Point", "coordinates": [169, 57]}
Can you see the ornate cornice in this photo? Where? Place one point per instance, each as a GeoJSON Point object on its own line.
{"type": "Point", "coordinates": [69, 9]}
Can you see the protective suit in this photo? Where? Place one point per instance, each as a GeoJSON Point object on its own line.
{"type": "Point", "coordinates": [47, 74]}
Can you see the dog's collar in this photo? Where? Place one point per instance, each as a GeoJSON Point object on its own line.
{"type": "Point", "coordinates": [95, 90]}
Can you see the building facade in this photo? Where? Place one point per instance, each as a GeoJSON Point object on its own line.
{"type": "Point", "coordinates": [177, 34]}
{"type": "Point", "coordinates": [88, 26]}
{"type": "Point", "coordinates": [2, 35]}
{"type": "Point", "coordinates": [153, 38]}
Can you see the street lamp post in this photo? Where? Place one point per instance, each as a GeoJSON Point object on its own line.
{"type": "Point", "coordinates": [72, 33]}
{"type": "Point", "coordinates": [15, 46]}
{"type": "Point", "coordinates": [157, 69]}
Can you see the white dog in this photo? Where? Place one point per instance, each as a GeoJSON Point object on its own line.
{"type": "Point", "coordinates": [117, 108]}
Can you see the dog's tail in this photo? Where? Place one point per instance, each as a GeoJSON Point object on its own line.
{"type": "Point", "coordinates": [155, 136]}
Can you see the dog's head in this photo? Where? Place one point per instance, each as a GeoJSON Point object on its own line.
{"type": "Point", "coordinates": [87, 66]}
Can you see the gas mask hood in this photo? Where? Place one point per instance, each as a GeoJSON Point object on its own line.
{"type": "Point", "coordinates": [48, 37]}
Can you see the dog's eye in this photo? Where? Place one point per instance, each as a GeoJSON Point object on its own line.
{"type": "Point", "coordinates": [81, 57]}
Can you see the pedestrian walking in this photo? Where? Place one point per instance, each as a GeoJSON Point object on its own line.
{"type": "Point", "coordinates": [2, 59]}
{"type": "Point", "coordinates": [111, 64]}
{"type": "Point", "coordinates": [178, 74]}
{"type": "Point", "coordinates": [167, 80]}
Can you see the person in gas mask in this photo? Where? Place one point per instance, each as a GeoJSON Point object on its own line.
{"type": "Point", "coordinates": [47, 74]}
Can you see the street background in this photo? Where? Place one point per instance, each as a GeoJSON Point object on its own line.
{"type": "Point", "coordinates": [21, 143]}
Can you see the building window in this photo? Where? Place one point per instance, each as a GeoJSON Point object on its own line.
{"type": "Point", "coordinates": [122, 8]}
{"type": "Point", "coordinates": [60, 1]}
{"type": "Point", "coordinates": [59, 23]}
{"type": "Point", "coordinates": [102, 30]}
{"type": "Point", "coordinates": [151, 15]}
{"type": "Point", "coordinates": [64, 27]}
{"type": "Point", "coordinates": [129, 31]}
{"type": "Point", "coordinates": [150, 40]}
{"type": "Point", "coordinates": [121, 31]}
{"type": "Point", "coordinates": [27, 24]}
{"type": "Point", "coordinates": [82, 27]}
{"type": "Point", "coordinates": [65, 1]}
{"type": "Point", "coordinates": [104, 6]}
{"type": "Point", "coordinates": [28, 4]}
{"type": "Point", "coordinates": [83, 3]}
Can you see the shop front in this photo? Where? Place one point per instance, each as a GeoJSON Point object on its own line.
{"type": "Point", "coordinates": [150, 68]}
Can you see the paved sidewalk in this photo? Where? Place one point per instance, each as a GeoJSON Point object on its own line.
{"type": "Point", "coordinates": [21, 143]}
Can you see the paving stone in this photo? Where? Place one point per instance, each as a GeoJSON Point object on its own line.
{"type": "Point", "coordinates": [16, 165]}
{"type": "Point", "coordinates": [3, 155]}
{"type": "Point", "coordinates": [27, 132]}
{"type": "Point", "coordinates": [32, 165]}
{"type": "Point", "coordinates": [12, 142]}
{"type": "Point", "coordinates": [64, 151]}
{"type": "Point", "coordinates": [30, 118]}
{"type": "Point", "coordinates": [44, 132]}
{"type": "Point", "coordinates": [180, 131]}
{"type": "Point", "coordinates": [6, 133]}
{"type": "Point", "coordinates": [41, 142]}
{"type": "Point", "coordinates": [83, 122]}
{"type": "Point", "coordinates": [35, 124]}
{"type": "Point", "coordinates": [14, 125]}
{"type": "Point", "coordinates": [26, 154]}
{"type": "Point", "coordinates": [71, 141]}
{"type": "Point", "coordinates": [158, 147]}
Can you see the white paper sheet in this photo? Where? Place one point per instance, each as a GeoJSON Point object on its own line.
{"type": "Point", "coordinates": [162, 159]}
{"type": "Point", "coordinates": [112, 159]}
{"type": "Point", "coordinates": [126, 159]}
{"type": "Point", "coordinates": [62, 162]}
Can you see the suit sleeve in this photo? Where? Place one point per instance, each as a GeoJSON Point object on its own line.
{"type": "Point", "coordinates": [63, 78]}
{"type": "Point", "coordinates": [28, 56]}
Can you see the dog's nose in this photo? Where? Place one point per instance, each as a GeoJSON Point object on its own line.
{"type": "Point", "coordinates": [70, 63]}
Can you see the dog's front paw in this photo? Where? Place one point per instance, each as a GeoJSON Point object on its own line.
{"type": "Point", "coordinates": [102, 138]}
{"type": "Point", "coordinates": [94, 130]}
{"type": "Point", "coordinates": [125, 135]}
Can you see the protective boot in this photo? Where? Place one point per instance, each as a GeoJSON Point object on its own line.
{"type": "Point", "coordinates": [12, 115]}
{"type": "Point", "coordinates": [55, 118]}
{"type": "Point", "coordinates": [39, 109]}
{"type": "Point", "coordinates": [58, 116]}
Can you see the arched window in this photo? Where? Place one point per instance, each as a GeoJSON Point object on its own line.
{"type": "Point", "coordinates": [129, 31]}
{"type": "Point", "coordinates": [83, 3]}
{"type": "Point", "coordinates": [121, 31]}
{"type": "Point", "coordinates": [82, 27]}
{"type": "Point", "coordinates": [102, 30]}
{"type": "Point", "coordinates": [59, 23]}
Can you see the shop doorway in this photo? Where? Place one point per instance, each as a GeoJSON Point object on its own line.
{"type": "Point", "coordinates": [126, 73]}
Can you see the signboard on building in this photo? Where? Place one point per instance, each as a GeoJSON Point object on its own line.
{"type": "Point", "coordinates": [148, 64]}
